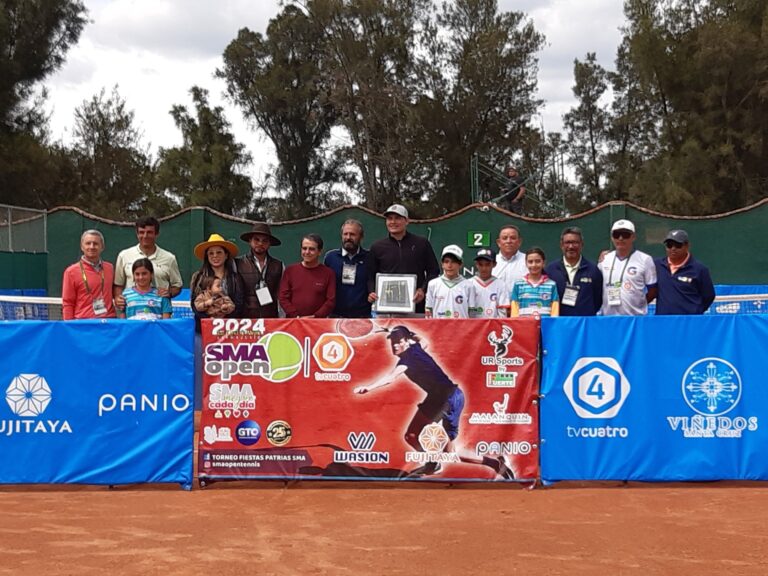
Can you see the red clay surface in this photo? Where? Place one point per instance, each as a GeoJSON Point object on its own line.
{"type": "Point", "coordinates": [243, 528]}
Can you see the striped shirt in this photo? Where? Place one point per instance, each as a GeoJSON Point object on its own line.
{"type": "Point", "coordinates": [535, 299]}
{"type": "Point", "coordinates": [145, 305]}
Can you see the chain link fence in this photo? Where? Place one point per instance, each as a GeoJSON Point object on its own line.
{"type": "Point", "coordinates": [22, 229]}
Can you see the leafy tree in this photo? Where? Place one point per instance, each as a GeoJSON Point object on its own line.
{"type": "Point", "coordinates": [696, 72]}
{"type": "Point", "coordinates": [112, 166]}
{"type": "Point", "coordinates": [35, 36]}
{"type": "Point", "coordinates": [370, 50]}
{"type": "Point", "coordinates": [587, 125]}
{"type": "Point", "coordinates": [278, 82]}
{"type": "Point", "coordinates": [206, 170]}
{"type": "Point", "coordinates": [478, 82]}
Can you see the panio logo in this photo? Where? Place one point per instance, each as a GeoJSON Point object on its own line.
{"type": "Point", "coordinates": [362, 444]}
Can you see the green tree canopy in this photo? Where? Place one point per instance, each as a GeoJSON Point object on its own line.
{"type": "Point", "coordinates": [206, 170]}
{"type": "Point", "coordinates": [112, 167]}
{"type": "Point", "coordinates": [277, 80]}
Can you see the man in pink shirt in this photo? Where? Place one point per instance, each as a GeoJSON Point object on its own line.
{"type": "Point", "coordinates": [86, 290]}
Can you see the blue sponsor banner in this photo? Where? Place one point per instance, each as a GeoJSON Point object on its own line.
{"type": "Point", "coordinates": [96, 402]}
{"type": "Point", "coordinates": [666, 398]}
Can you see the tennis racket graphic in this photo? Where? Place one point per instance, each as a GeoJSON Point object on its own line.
{"type": "Point", "coordinates": [356, 328]}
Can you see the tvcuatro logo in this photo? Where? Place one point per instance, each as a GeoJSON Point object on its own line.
{"type": "Point", "coordinates": [712, 387]}
{"type": "Point", "coordinates": [276, 357]}
{"type": "Point", "coordinates": [362, 444]}
{"type": "Point", "coordinates": [28, 395]}
{"type": "Point", "coordinates": [597, 388]}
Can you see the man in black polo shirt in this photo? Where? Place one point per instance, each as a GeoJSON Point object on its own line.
{"type": "Point", "coordinates": [402, 253]}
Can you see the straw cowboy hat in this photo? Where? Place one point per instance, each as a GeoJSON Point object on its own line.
{"type": "Point", "coordinates": [260, 228]}
{"type": "Point", "coordinates": [215, 240]}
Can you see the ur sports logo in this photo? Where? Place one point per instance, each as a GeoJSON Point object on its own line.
{"type": "Point", "coordinates": [712, 387]}
{"type": "Point", "coordinates": [500, 345]}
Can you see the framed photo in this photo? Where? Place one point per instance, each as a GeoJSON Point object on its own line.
{"type": "Point", "coordinates": [395, 293]}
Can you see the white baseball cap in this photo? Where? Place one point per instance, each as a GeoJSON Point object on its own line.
{"type": "Point", "coordinates": [623, 225]}
{"type": "Point", "coordinates": [398, 209]}
{"type": "Point", "coordinates": [453, 250]}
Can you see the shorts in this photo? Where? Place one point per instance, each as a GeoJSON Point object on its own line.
{"type": "Point", "coordinates": [448, 412]}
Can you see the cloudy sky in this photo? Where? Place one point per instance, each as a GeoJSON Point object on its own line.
{"type": "Point", "coordinates": [156, 50]}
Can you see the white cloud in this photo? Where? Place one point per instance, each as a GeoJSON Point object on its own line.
{"type": "Point", "coordinates": [156, 50]}
{"type": "Point", "coordinates": [572, 29]}
{"type": "Point", "coordinates": [187, 29]}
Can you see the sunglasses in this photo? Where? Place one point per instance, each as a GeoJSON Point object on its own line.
{"type": "Point", "coordinates": [626, 234]}
{"type": "Point", "coordinates": [673, 244]}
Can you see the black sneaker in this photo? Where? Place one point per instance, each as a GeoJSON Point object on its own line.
{"type": "Point", "coordinates": [505, 470]}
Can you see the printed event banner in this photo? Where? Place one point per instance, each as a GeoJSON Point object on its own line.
{"type": "Point", "coordinates": [665, 398]}
{"type": "Point", "coordinates": [370, 399]}
{"type": "Point", "coordinates": [95, 402]}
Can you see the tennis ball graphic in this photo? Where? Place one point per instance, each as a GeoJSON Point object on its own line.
{"type": "Point", "coordinates": [285, 356]}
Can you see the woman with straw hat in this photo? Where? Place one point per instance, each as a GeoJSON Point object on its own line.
{"type": "Point", "coordinates": [218, 257]}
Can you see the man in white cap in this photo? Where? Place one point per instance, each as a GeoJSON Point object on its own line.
{"type": "Point", "coordinates": [685, 286]}
{"type": "Point", "coordinates": [450, 295]}
{"type": "Point", "coordinates": [629, 275]}
{"type": "Point", "coordinates": [402, 253]}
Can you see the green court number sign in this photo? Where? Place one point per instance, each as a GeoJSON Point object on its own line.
{"type": "Point", "coordinates": [478, 239]}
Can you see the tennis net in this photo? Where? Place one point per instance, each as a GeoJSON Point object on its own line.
{"type": "Point", "coordinates": [49, 308]}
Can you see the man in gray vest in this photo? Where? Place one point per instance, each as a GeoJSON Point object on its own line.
{"type": "Point", "coordinates": [261, 273]}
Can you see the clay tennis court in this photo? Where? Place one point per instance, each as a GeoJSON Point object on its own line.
{"type": "Point", "coordinates": [241, 528]}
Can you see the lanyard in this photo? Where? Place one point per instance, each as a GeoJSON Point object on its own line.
{"type": "Point", "coordinates": [85, 280]}
{"type": "Point", "coordinates": [621, 278]}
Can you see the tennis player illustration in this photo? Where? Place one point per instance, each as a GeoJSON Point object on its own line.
{"type": "Point", "coordinates": [443, 403]}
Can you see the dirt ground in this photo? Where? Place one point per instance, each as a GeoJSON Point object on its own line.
{"type": "Point", "coordinates": [239, 528]}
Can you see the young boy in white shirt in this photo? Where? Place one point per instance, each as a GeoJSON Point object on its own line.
{"type": "Point", "coordinates": [491, 297]}
{"type": "Point", "coordinates": [450, 295]}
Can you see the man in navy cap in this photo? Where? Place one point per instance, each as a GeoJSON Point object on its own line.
{"type": "Point", "coordinates": [685, 286]}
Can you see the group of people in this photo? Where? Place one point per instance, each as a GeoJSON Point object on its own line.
{"type": "Point", "coordinates": [140, 285]}
{"type": "Point", "coordinates": [623, 282]}
{"type": "Point", "coordinates": [509, 282]}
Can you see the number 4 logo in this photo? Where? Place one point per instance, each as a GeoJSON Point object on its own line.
{"type": "Point", "coordinates": [596, 387]}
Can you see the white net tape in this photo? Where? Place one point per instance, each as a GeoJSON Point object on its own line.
{"type": "Point", "coordinates": [48, 308]}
